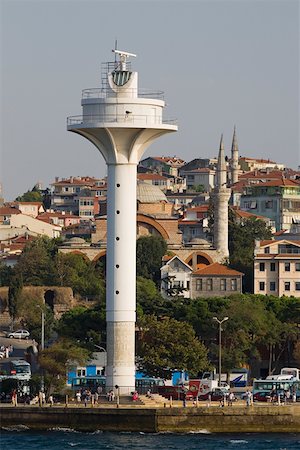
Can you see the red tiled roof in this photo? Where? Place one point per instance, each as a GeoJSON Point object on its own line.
{"type": "Point", "coordinates": [216, 269]}
{"type": "Point", "coordinates": [151, 176]}
{"type": "Point", "coordinates": [169, 159]}
{"type": "Point", "coordinates": [189, 222]}
{"type": "Point", "coordinates": [261, 174]}
{"type": "Point", "coordinates": [200, 208]}
{"type": "Point", "coordinates": [278, 183]}
{"type": "Point", "coordinates": [244, 158]}
{"type": "Point", "coordinates": [28, 203]}
{"type": "Point", "coordinates": [6, 210]}
{"type": "Point", "coordinates": [247, 215]}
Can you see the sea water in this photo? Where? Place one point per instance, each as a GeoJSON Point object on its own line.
{"type": "Point", "coordinates": [16, 438]}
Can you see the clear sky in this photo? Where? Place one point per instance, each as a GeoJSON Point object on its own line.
{"type": "Point", "coordinates": [219, 63]}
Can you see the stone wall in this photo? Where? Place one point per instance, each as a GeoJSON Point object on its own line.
{"type": "Point", "coordinates": [268, 419]}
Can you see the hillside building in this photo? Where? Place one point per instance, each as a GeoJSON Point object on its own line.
{"type": "Point", "coordinates": [277, 268]}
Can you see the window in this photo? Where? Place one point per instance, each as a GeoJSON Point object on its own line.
{"type": "Point", "coordinates": [287, 286]}
{"type": "Point", "coordinates": [199, 284]}
{"type": "Point", "coordinates": [297, 286]}
{"type": "Point", "coordinates": [81, 372]}
{"type": "Point", "coordinates": [188, 285]}
{"type": "Point", "coordinates": [261, 267]}
{"type": "Point", "coordinates": [269, 204]}
{"type": "Point", "coordinates": [272, 285]}
{"type": "Point", "coordinates": [287, 267]}
{"type": "Point", "coordinates": [297, 267]}
{"type": "Point", "coordinates": [223, 284]}
{"type": "Point", "coordinates": [267, 250]}
{"type": "Point", "coordinates": [233, 284]}
{"type": "Point", "coordinates": [261, 285]}
{"type": "Point", "coordinates": [272, 267]}
{"type": "Point", "coordinates": [209, 284]}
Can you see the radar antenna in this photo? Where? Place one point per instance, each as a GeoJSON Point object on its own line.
{"type": "Point", "coordinates": [123, 57]}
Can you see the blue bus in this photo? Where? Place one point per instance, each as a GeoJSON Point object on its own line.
{"type": "Point", "coordinates": [142, 385]}
{"type": "Point", "coordinates": [262, 389]}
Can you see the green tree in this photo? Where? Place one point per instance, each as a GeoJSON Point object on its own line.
{"type": "Point", "coordinates": [86, 325]}
{"type": "Point", "coordinates": [30, 196]}
{"type": "Point", "coordinates": [36, 262]}
{"type": "Point", "coordinates": [30, 310]}
{"type": "Point", "coordinates": [148, 298]}
{"type": "Point", "coordinates": [54, 360]}
{"type": "Point", "coordinates": [167, 344]}
{"type": "Point", "coordinates": [149, 253]}
{"type": "Point", "coordinates": [14, 295]}
{"type": "Point", "coordinates": [80, 274]}
{"type": "Point", "coordinates": [242, 236]}
{"type": "Point", "coordinates": [6, 274]}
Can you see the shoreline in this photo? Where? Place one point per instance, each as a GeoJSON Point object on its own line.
{"type": "Point", "coordinates": [237, 419]}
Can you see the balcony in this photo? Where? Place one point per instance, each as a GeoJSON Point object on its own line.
{"type": "Point", "coordinates": [109, 93]}
{"type": "Point", "coordinates": [124, 119]}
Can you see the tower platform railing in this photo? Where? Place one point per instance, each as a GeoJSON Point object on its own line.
{"type": "Point", "coordinates": [108, 93]}
{"type": "Point", "coordinates": [134, 119]}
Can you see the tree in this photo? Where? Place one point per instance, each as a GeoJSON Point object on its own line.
{"type": "Point", "coordinates": [149, 253]}
{"type": "Point", "coordinates": [30, 310]}
{"type": "Point", "coordinates": [242, 237]}
{"type": "Point", "coordinates": [14, 294]}
{"type": "Point", "coordinates": [55, 359]}
{"type": "Point", "coordinates": [167, 344]}
{"type": "Point", "coordinates": [297, 352]}
{"type": "Point", "coordinates": [80, 274]}
{"type": "Point", "coordinates": [87, 326]}
{"type": "Point", "coordinates": [6, 274]}
{"type": "Point", "coordinates": [148, 298]}
{"type": "Point", "coordinates": [36, 262]}
{"type": "Point", "coordinates": [30, 196]}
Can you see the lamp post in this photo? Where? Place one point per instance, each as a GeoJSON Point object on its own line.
{"type": "Point", "coordinates": [220, 345]}
{"type": "Point", "coordinates": [42, 340]}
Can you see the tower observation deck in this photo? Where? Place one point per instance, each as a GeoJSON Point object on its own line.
{"type": "Point", "coordinates": [121, 121]}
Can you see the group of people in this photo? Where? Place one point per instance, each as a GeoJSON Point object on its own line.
{"type": "Point", "coordinates": [286, 396]}
{"type": "Point", "coordinates": [228, 398]}
{"type": "Point", "coordinates": [88, 396]}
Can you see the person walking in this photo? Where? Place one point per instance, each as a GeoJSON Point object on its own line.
{"type": "Point", "coordinates": [14, 398]}
{"type": "Point", "coordinates": [248, 398]}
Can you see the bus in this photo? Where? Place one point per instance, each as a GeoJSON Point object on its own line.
{"type": "Point", "coordinates": [142, 385]}
{"type": "Point", "coordinates": [262, 388]}
{"type": "Point", "coordinates": [20, 369]}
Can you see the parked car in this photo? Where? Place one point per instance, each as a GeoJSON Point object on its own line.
{"type": "Point", "coordinates": [19, 334]}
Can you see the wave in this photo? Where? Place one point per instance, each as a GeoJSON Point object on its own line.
{"type": "Point", "coordinates": [16, 428]}
{"type": "Point", "coordinates": [202, 431]}
{"type": "Point", "coordinates": [63, 429]}
{"type": "Point", "coordinates": [238, 441]}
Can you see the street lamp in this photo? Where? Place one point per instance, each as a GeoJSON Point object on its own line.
{"type": "Point", "coordinates": [220, 345]}
{"type": "Point", "coordinates": [42, 341]}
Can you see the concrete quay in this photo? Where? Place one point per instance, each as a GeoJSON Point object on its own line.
{"type": "Point", "coordinates": [136, 418]}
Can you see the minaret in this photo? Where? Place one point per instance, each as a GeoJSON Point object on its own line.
{"type": "Point", "coordinates": [221, 195]}
{"type": "Point", "coordinates": [234, 163]}
{"type": "Point", "coordinates": [121, 122]}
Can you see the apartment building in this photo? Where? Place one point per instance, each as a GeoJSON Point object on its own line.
{"type": "Point", "coordinates": [279, 200]}
{"type": "Point", "coordinates": [277, 267]}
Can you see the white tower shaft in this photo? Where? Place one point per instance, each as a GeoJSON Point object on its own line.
{"type": "Point", "coordinates": [121, 275]}
{"type": "Point", "coordinates": [121, 124]}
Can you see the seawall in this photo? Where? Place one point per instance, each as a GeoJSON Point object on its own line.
{"type": "Point", "coordinates": [217, 420]}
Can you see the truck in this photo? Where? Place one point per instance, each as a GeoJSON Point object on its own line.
{"type": "Point", "coordinates": [192, 389]}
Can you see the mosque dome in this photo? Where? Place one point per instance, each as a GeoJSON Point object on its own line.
{"type": "Point", "coordinates": [75, 241]}
{"type": "Point", "coordinates": [148, 193]}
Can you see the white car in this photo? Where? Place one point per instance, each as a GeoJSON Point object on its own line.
{"type": "Point", "coordinates": [19, 334]}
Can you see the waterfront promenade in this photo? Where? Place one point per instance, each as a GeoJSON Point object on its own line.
{"type": "Point", "coordinates": [156, 418]}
